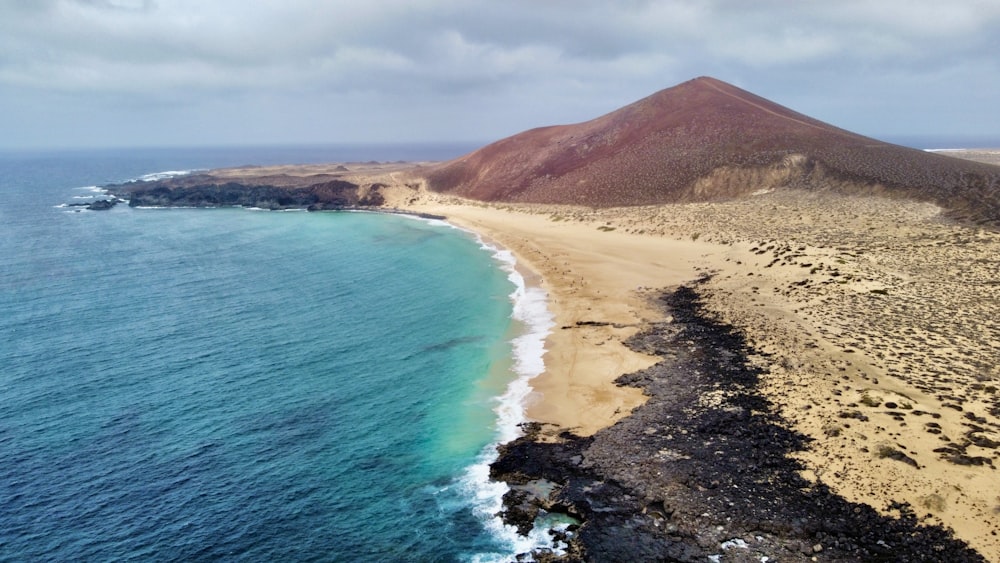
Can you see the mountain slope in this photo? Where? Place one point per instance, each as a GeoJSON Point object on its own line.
{"type": "Point", "coordinates": [706, 140]}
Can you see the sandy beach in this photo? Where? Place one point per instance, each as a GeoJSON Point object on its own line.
{"type": "Point", "coordinates": [875, 319]}
{"type": "Point", "coordinates": [872, 321]}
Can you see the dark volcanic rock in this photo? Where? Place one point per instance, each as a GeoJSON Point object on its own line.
{"type": "Point", "coordinates": [97, 205]}
{"type": "Point", "coordinates": [103, 204]}
{"type": "Point", "coordinates": [703, 468]}
{"type": "Point", "coordinates": [333, 194]}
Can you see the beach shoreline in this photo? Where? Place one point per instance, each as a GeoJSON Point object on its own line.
{"type": "Point", "coordinates": [871, 319]}
{"type": "Point", "coordinates": [584, 351]}
{"type": "Point", "coordinates": [782, 286]}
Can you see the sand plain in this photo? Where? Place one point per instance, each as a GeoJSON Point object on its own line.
{"type": "Point", "coordinates": [876, 319]}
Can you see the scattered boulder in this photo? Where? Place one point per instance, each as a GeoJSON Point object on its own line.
{"type": "Point", "coordinates": [103, 204]}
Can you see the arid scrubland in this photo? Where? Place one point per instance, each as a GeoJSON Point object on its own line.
{"type": "Point", "coordinates": [876, 324]}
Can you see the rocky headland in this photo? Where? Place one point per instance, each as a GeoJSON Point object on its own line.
{"type": "Point", "coordinates": [204, 190]}
{"type": "Point", "coordinates": [310, 187]}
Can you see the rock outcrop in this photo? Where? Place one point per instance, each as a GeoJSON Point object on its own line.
{"type": "Point", "coordinates": [98, 204]}
{"type": "Point", "coordinates": [207, 191]}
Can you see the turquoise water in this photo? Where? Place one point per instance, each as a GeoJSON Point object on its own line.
{"type": "Point", "coordinates": [229, 384]}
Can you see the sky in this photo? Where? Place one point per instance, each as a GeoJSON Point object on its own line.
{"type": "Point", "coordinates": [125, 73]}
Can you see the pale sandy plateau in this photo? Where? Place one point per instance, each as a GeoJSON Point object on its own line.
{"type": "Point", "coordinates": [987, 156]}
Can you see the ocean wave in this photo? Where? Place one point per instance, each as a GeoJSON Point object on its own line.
{"type": "Point", "coordinates": [530, 308]}
{"type": "Point", "coordinates": [154, 176]}
{"type": "Point", "coordinates": [487, 502]}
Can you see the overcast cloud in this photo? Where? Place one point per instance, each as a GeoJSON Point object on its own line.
{"type": "Point", "coordinates": [196, 72]}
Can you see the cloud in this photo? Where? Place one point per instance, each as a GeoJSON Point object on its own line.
{"type": "Point", "coordinates": [525, 62]}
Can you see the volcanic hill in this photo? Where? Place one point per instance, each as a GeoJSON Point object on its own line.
{"type": "Point", "coordinates": [707, 140]}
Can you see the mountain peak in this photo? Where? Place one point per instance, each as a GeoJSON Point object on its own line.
{"type": "Point", "coordinates": [702, 140]}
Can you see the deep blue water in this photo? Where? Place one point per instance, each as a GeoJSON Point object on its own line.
{"type": "Point", "coordinates": [229, 384]}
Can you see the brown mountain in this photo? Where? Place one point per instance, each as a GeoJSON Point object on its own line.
{"type": "Point", "coordinates": [707, 140]}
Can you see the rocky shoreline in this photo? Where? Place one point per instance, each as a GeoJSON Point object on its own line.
{"type": "Point", "coordinates": [97, 204]}
{"type": "Point", "coordinates": [702, 471]}
{"type": "Point", "coordinates": [232, 194]}
{"type": "Point", "coordinates": [205, 191]}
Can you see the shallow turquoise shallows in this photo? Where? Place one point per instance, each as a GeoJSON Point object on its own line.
{"type": "Point", "coordinates": [195, 384]}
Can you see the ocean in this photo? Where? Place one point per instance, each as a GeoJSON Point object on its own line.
{"type": "Point", "coordinates": [223, 384]}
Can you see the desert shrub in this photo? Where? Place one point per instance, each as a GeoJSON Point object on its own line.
{"type": "Point", "coordinates": [870, 401]}
{"type": "Point", "coordinates": [933, 502]}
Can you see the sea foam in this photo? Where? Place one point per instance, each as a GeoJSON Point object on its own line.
{"type": "Point", "coordinates": [154, 176]}
{"type": "Point", "coordinates": [530, 309]}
